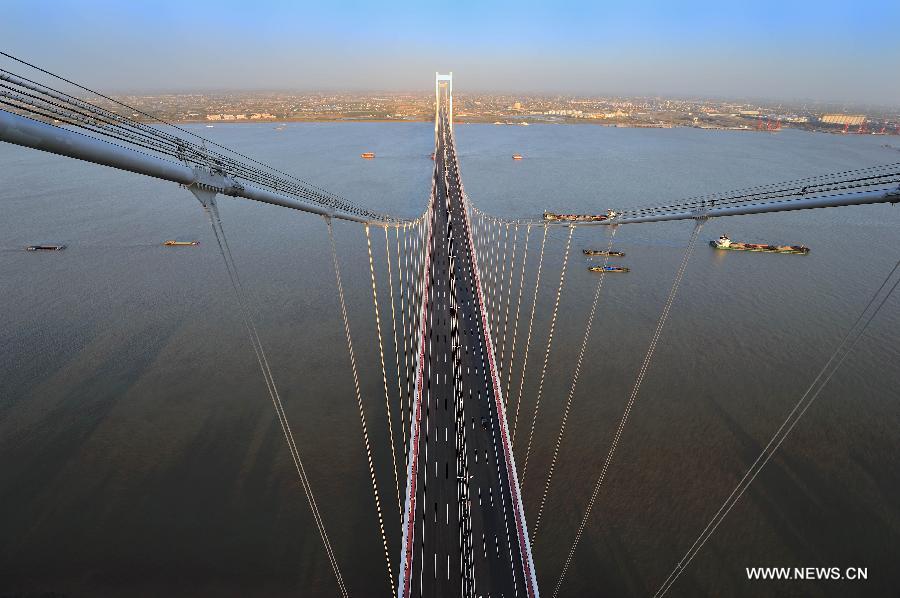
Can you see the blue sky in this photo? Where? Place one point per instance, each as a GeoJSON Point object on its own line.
{"type": "Point", "coordinates": [824, 50]}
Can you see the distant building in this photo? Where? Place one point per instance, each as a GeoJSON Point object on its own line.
{"type": "Point", "coordinates": [213, 117]}
{"type": "Point", "coordinates": [843, 119]}
{"type": "Point", "coordinates": [517, 106]}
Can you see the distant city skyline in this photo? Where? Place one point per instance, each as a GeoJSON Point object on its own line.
{"type": "Point", "coordinates": [826, 52]}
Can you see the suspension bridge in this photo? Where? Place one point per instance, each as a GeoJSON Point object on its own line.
{"type": "Point", "coordinates": [461, 322]}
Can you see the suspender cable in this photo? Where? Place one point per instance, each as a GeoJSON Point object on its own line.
{"type": "Point", "coordinates": [568, 407]}
{"type": "Point", "coordinates": [844, 348]}
{"type": "Point", "coordinates": [537, 284]}
{"type": "Point", "coordinates": [512, 353]}
{"type": "Point", "coordinates": [632, 397]}
{"type": "Point", "coordinates": [495, 284]}
{"type": "Point", "coordinates": [488, 254]}
{"type": "Point", "coordinates": [362, 415]}
{"type": "Point", "coordinates": [493, 244]}
{"type": "Point", "coordinates": [221, 240]}
{"type": "Point", "coordinates": [387, 396]}
{"type": "Point", "coordinates": [387, 253]}
{"type": "Point", "coordinates": [500, 293]}
{"type": "Point", "coordinates": [403, 331]}
{"type": "Point", "coordinates": [537, 403]}
{"type": "Point", "coordinates": [508, 301]}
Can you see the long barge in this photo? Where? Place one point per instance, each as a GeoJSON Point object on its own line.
{"type": "Point", "coordinates": [726, 244]}
{"type": "Point", "coordinates": [45, 248]}
{"type": "Point", "coordinates": [576, 217]}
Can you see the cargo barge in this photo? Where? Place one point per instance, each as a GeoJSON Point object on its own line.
{"type": "Point", "coordinates": [576, 217]}
{"type": "Point", "coordinates": [45, 248]}
{"type": "Point", "coordinates": [727, 244]}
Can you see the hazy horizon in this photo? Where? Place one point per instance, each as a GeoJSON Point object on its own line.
{"type": "Point", "coordinates": [824, 53]}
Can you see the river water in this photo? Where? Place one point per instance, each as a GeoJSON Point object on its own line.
{"type": "Point", "coordinates": [140, 455]}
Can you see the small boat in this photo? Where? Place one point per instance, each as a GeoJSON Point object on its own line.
{"type": "Point", "coordinates": [576, 217]}
{"type": "Point", "coordinates": [592, 252]}
{"type": "Point", "coordinates": [727, 244]}
{"type": "Point", "coordinates": [609, 269]}
{"type": "Point", "coordinates": [367, 155]}
{"type": "Point", "coordinates": [174, 243]}
{"type": "Point", "coordinates": [45, 248]}
{"type": "Point", "coordinates": [517, 156]}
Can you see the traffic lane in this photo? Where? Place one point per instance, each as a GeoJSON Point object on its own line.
{"type": "Point", "coordinates": [496, 539]}
{"type": "Point", "coordinates": [436, 495]}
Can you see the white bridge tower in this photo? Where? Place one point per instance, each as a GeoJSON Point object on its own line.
{"type": "Point", "coordinates": [439, 82]}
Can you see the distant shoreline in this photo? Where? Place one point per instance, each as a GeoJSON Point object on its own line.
{"type": "Point", "coordinates": [511, 124]}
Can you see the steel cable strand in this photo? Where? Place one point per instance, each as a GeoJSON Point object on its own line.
{"type": "Point", "coordinates": [537, 403]}
{"type": "Point", "coordinates": [493, 245]}
{"type": "Point", "coordinates": [413, 281]}
{"type": "Point", "coordinates": [94, 123]}
{"type": "Point", "coordinates": [495, 275]}
{"type": "Point", "coordinates": [778, 187]}
{"type": "Point", "coordinates": [485, 261]}
{"type": "Point", "coordinates": [502, 277]}
{"type": "Point", "coordinates": [387, 396]}
{"type": "Point", "coordinates": [799, 409]}
{"type": "Point", "coordinates": [408, 335]}
{"type": "Point", "coordinates": [73, 120]}
{"type": "Point", "coordinates": [314, 189]}
{"type": "Point", "coordinates": [417, 281]}
{"type": "Point", "coordinates": [231, 267]}
{"type": "Point", "coordinates": [88, 112]}
{"type": "Point", "coordinates": [487, 285]}
{"type": "Point", "coordinates": [570, 397]}
{"type": "Point", "coordinates": [405, 365]}
{"type": "Point", "coordinates": [512, 354]}
{"type": "Point", "coordinates": [795, 191]}
{"type": "Point", "coordinates": [631, 400]}
{"type": "Point", "coordinates": [478, 241]}
{"type": "Point", "coordinates": [506, 314]}
{"type": "Point", "coordinates": [537, 284]}
{"type": "Point", "coordinates": [387, 252]}
{"type": "Point", "coordinates": [362, 415]}
{"type": "Point", "coordinates": [136, 135]}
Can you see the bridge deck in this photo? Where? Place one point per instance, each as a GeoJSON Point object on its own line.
{"type": "Point", "coordinates": [467, 534]}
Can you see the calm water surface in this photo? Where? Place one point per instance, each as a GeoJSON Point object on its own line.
{"type": "Point", "coordinates": [140, 456]}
